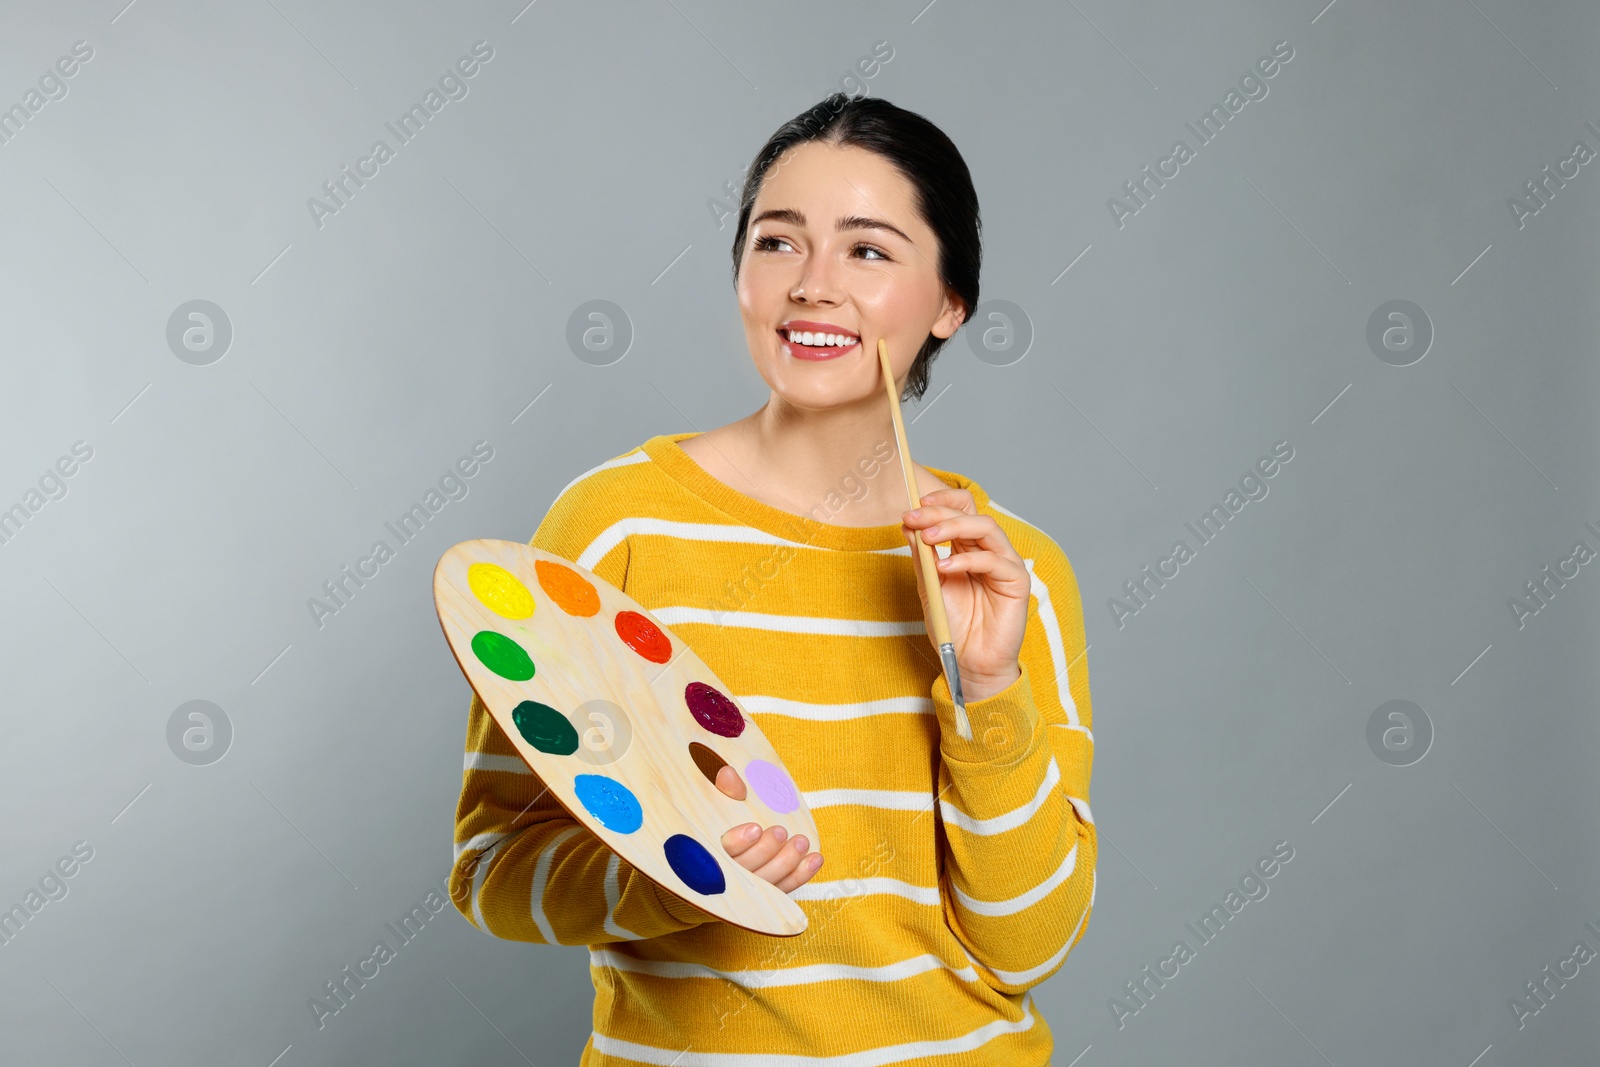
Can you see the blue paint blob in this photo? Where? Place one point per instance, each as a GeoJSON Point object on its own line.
{"type": "Point", "coordinates": [697, 867]}
{"type": "Point", "coordinates": [609, 801]}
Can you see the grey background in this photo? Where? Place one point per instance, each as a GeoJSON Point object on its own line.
{"type": "Point", "coordinates": [1230, 313]}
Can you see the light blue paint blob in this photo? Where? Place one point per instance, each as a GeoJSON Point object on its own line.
{"type": "Point", "coordinates": [609, 801]}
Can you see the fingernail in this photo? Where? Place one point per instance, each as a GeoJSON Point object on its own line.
{"type": "Point", "coordinates": [779, 832]}
{"type": "Point", "coordinates": [815, 861]}
{"type": "Point", "coordinates": [751, 832]}
{"type": "Point", "coordinates": [800, 844]}
{"type": "Point", "coordinates": [933, 531]}
{"type": "Point", "coordinates": [914, 513]}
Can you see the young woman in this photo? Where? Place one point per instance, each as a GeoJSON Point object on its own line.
{"type": "Point", "coordinates": [960, 870]}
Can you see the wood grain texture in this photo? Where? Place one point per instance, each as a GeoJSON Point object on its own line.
{"type": "Point", "coordinates": [640, 739]}
{"type": "Point", "coordinates": [926, 557]}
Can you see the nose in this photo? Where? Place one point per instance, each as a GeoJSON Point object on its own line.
{"type": "Point", "coordinates": [817, 283]}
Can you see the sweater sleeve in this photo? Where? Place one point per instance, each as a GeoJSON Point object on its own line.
{"type": "Point", "coordinates": [525, 869]}
{"type": "Point", "coordinates": [1019, 844]}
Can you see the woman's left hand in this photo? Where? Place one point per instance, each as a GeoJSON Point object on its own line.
{"type": "Point", "coordinates": [985, 587]}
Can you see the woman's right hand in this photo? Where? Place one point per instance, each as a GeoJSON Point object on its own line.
{"type": "Point", "coordinates": [771, 855]}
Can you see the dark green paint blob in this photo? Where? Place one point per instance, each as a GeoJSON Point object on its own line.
{"type": "Point", "coordinates": [502, 655]}
{"type": "Point", "coordinates": [545, 728]}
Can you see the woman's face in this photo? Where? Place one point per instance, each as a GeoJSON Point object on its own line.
{"type": "Point", "coordinates": [835, 240]}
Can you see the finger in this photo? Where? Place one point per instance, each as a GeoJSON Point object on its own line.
{"type": "Point", "coordinates": [980, 530]}
{"type": "Point", "coordinates": [1005, 575]}
{"type": "Point", "coordinates": [959, 499]}
{"type": "Point", "coordinates": [739, 839]}
{"type": "Point", "coordinates": [756, 852]}
{"type": "Point", "coordinates": [729, 782]}
{"type": "Point", "coordinates": [801, 874]}
{"type": "Point", "coordinates": [785, 861]}
{"type": "Point", "coordinates": [928, 514]}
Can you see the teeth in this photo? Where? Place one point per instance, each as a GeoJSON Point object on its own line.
{"type": "Point", "coordinates": [819, 340]}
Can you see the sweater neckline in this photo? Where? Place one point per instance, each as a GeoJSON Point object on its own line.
{"type": "Point", "coordinates": [664, 450]}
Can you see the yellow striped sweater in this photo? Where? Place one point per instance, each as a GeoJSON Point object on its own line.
{"type": "Point", "coordinates": [957, 874]}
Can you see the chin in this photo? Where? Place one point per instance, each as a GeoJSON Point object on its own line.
{"type": "Point", "coordinates": [819, 398]}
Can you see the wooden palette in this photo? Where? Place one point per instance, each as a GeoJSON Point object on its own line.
{"type": "Point", "coordinates": [624, 723]}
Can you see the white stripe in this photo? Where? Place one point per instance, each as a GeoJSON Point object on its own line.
{"type": "Point", "coordinates": [476, 841]}
{"type": "Point", "coordinates": [916, 800]}
{"type": "Point", "coordinates": [479, 873]}
{"type": "Point", "coordinates": [609, 538]}
{"type": "Point", "coordinates": [613, 894]}
{"type": "Point", "coordinates": [765, 705]}
{"type": "Point", "coordinates": [794, 624]}
{"type": "Point", "coordinates": [1015, 904]}
{"type": "Point", "coordinates": [541, 875]}
{"type": "Point", "coordinates": [895, 800]}
{"type": "Point", "coordinates": [877, 1057]}
{"type": "Point", "coordinates": [726, 532]}
{"type": "Point", "coordinates": [783, 976]}
{"type": "Point", "coordinates": [1011, 819]}
{"type": "Point", "coordinates": [1084, 730]}
{"type": "Point", "coordinates": [638, 455]}
{"type": "Point", "coordinates": [484, 761]}
{"type": "Point", "coordinates": [686, 531]}
{"type": "Point", "coordinates": [1023, 977]}
{"type": "Point", "coordinates": [845, 888]}
{"type": "Point", "coordinates": [1052, 636]}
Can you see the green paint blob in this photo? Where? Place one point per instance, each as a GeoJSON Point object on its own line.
{"type": "Point", "coordinates": [502, 655]}
{"type": "Point", "coordinates": [545, 728]}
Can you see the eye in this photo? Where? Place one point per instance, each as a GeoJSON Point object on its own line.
{"type": "Point", "coordinates": [767, 243]}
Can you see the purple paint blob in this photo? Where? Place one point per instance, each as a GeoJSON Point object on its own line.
{"type": "Point", "coordinates": [772, 785]}
{"type": "Point", "coordinates": [713, 710]}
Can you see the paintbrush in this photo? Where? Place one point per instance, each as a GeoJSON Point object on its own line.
{"type": "Point", "coordinates": [925, 555]}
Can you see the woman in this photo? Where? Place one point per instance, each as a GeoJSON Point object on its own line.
{"type": "Point", "coordinates": [960, 871]}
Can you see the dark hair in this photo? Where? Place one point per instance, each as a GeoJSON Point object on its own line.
{"type": "Point", "coordinates": [941, 185]}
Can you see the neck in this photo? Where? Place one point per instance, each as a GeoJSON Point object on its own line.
{"type": "Point", "coordinates": [843, 460]}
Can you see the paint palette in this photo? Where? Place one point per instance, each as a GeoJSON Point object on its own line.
{"type": "Point", "coordinates": [624, 723]}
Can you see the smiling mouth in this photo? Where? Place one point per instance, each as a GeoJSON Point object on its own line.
{"type": "Point", "coordinates": [802, 344]}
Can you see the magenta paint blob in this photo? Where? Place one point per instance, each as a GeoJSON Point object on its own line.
{"type": "Point", "coordinates": [713, 710]}
{"type": "Point", "coordinates": [772, 785]}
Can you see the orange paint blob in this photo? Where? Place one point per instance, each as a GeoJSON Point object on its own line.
{"type": "Point", "coordinates": [643, 636]}
{"type": "Point", "coordinates": [571, 591]}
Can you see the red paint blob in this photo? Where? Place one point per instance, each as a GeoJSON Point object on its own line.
{"type": "Point", "coordinates": [713, 710]}
{"type": "Point", "coordinates": [643, 636]}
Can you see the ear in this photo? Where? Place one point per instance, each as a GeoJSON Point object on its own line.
{"type": "Point", "coordinates": [951, 317]}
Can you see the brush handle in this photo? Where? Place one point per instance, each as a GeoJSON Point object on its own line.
{"type": "Point", "coordinates": [926, 557]}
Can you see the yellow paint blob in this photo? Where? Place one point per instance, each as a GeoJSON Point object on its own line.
{"type": "Point", "coordinates": [500, 591]}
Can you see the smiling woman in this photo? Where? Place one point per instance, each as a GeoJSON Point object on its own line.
{"type": "Point", "coordinates": [897, 167]}
{"type": "Point", "coordinates": [962, 868]}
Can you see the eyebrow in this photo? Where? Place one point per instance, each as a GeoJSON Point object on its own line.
{"type": "Point", "coordinates": [845, 222]}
